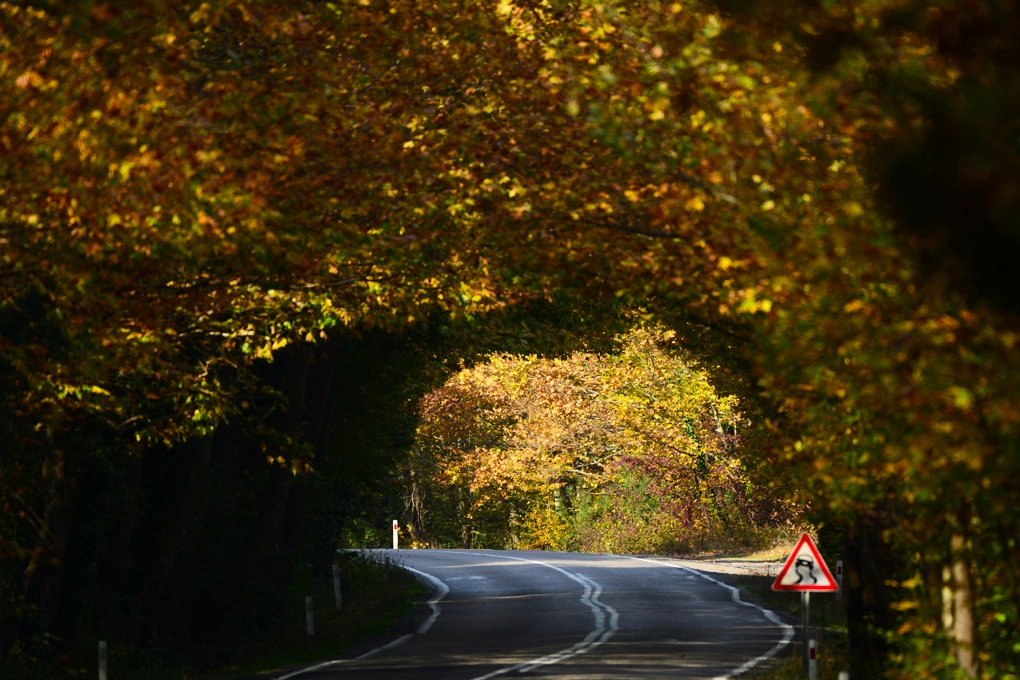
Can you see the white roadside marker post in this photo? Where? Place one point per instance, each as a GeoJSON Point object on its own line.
{"type": "Point", "coordinates": [102, 660]}
{"type": "Point", "coordinates": [336, 587]}
{"type": "Point", "coordinates": [395, 538]}
{"type": "Point", "coordinates": [813, 660]}
{"type": "Point", "coordinates": [309, 616]}
{"type": "Point", "coordinates": [844, 675]}
{"type": "Point", "coordinates": [839, 580]}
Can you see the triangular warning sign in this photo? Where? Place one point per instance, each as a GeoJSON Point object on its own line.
{"type": "Point", "coordinates": [805, 570]}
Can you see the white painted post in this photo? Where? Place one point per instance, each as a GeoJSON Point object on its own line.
{"type": "Point", "coordinates": [309, 616]}
{"type": "Point", "coordinates": [844, 675]}
{"type": "Point", "coordinates": [813, 660]}
{"type": "Point", "coordinates": [102, 660]}
{"type": "Point", "coordinates": [839, 580]}
{"type": "Point", "coordinates": [395, 539]}
{"type": "Point", "coordinates": [336, 587]}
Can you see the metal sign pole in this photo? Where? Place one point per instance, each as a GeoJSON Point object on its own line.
{"type": "Point", "coordinates": [805, 617]}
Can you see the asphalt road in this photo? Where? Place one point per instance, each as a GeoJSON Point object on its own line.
{"type": "Point", "coordinates": [499, 613]}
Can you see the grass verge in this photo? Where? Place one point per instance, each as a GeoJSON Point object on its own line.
{"type": "Point", "coordinates": [377, 594]}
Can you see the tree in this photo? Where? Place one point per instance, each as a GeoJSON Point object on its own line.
{"type": "Point", "coordinates": [628, 451]}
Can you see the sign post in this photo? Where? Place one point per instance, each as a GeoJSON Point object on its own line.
{"type": "Point", "coordinates": [805, 626]}
{"type": "Point", "coordinates": [839, 580]}
{"type": "Point", "coordinates": [805, 572]}
{"type": "Point", "coordinates": [394, 534]}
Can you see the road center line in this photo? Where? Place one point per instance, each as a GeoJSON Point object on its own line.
{"type": "Point", "coordinates": [590, 598]}
{"type": "Point", "coordinates": [735, 593]}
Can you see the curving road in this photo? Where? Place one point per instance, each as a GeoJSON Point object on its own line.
{"type": "Point", "coordinates": [496, 613]}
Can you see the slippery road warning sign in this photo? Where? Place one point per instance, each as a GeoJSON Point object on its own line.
{"type": "Point", "coordinates": [805, 570]}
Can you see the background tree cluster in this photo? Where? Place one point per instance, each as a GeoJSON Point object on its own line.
{"type": "Point", "coordinates": [626, 452]}
{"type": "Point", "coordinates": [201, 202]}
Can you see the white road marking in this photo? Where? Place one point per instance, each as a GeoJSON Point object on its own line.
{"type": "Point", "coordinates": [389, 645]}
{"type": "Point", "coordinates": [441, 591]}
{"type": "Point", "coordinates": [590, 597]}
{"type": "Point", "coordinates": [735, 593]}
{"type": "Point", "coordinates": [434, 602]}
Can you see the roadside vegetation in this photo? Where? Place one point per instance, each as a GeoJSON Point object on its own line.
{"type": "Point", "coordinates": [377, 594]}
{"type": "Point", "coordinates": [630, 451]}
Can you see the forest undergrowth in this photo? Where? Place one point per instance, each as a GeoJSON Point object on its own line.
{"type": "Point", "coordinates": [377, 594]}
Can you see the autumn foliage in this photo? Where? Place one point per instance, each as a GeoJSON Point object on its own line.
{"type": "Point", "coordinates": [204, 205]}
{"type": "Point", "coordinates": [627, 452]}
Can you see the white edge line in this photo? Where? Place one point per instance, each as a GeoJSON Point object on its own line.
{"type": "Point", "coordinates": [442, 590]}
{"type": "Point", "coordinates": [590, 597]}
{"type": "Point", "coordinates": [389, 645]}
{"type": "Point", "coordinates": [735, 592]}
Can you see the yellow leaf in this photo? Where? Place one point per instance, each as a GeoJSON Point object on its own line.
{"type": "Point", "coordinates": [961, 397]}
{"type": "Point", "coordinates": [905, 605]}
{"type": "Point", "coordinates": [200, 14]}
{"type": "Point", "coordinates": [853, 306]}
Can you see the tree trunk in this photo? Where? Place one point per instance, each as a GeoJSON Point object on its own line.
{"type": "Point", "coordinates": [414, 510]}
{"type": "Point", "coordinates": [316, 405]}
{"type": "Point", "coordinates": [869, 565]}
{"type": "Point", "coordinates": [957, 612]}
{"type": "Point", "coordinates": [133, 486]}
{"type": "Point", "coordinates": [49, 557]}
{"type": "Point", "coordinates": [190, 502]}
{"type": "Point", "coordinates": [465, 527]}
{"type": "Point", "coordinates": [119, 555]}
{"type": "Point", "coordinates": [274, 505]}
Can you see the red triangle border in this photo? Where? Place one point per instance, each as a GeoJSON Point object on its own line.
{"type": "Point", "coordinates": [833, 587]}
